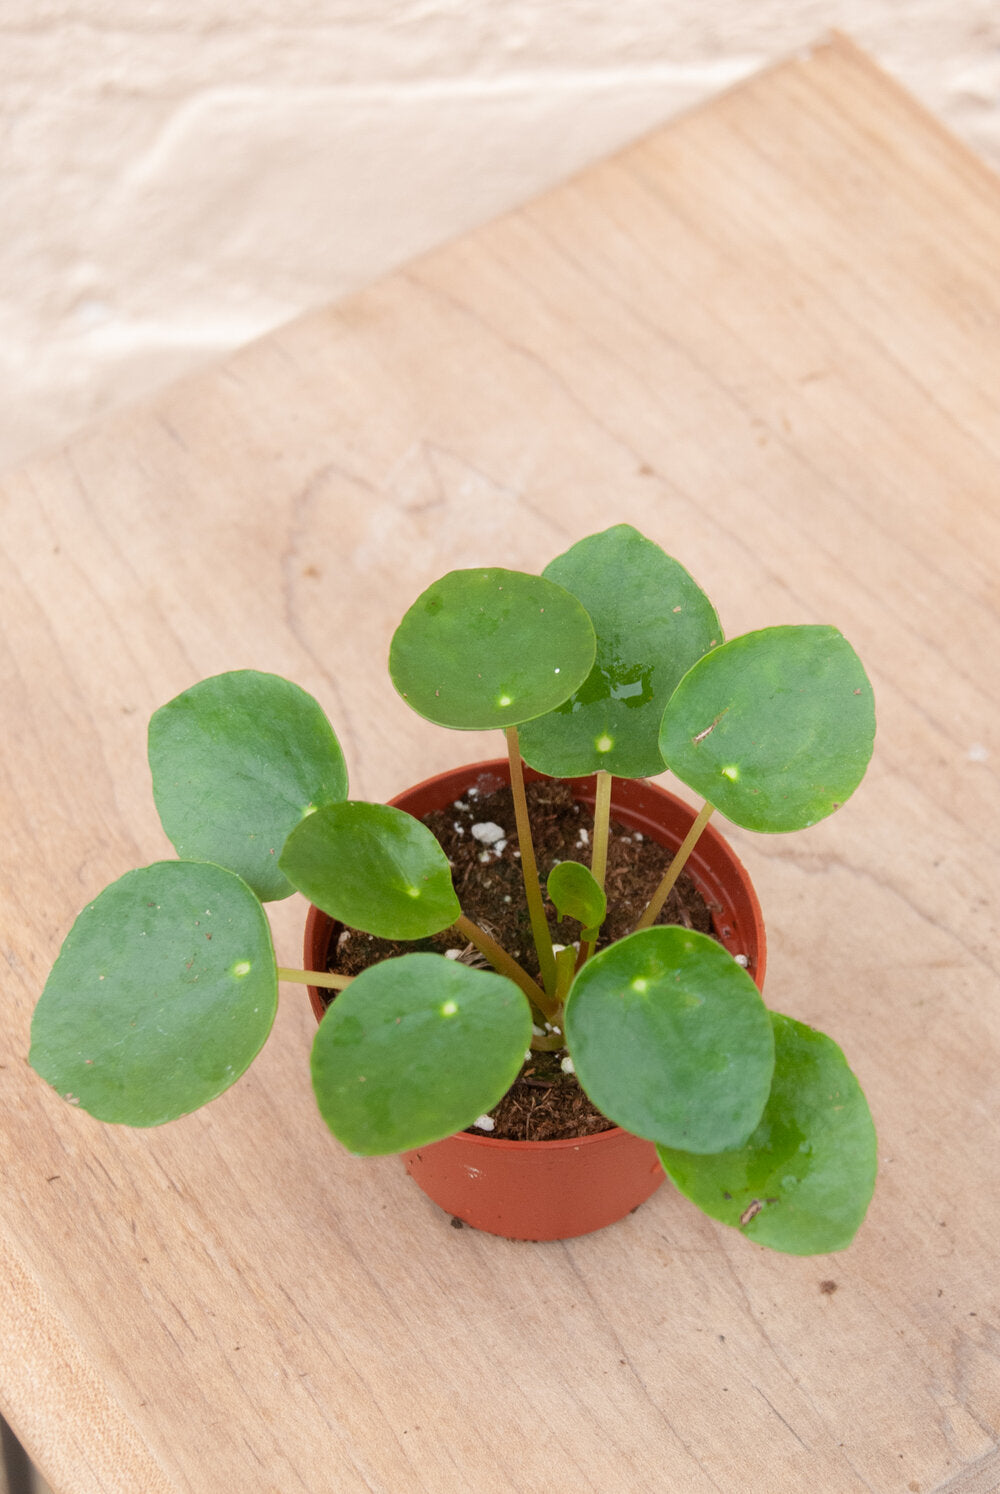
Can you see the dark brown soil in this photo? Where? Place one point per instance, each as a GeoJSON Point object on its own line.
{"type": "Point", "coordinates": [544, 1104]}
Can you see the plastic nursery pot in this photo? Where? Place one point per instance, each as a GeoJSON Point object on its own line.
{"type": "Point", "coordinates": [554, 1190]}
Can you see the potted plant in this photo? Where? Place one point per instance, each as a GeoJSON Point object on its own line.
{"type": "Point", "coordinates": [606, 668]}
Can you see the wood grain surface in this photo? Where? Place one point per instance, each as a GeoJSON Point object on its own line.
{"type": "Point", "coordinates": [769, 337]}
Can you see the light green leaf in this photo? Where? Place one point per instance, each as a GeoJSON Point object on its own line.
{"type": "Point", "coordinates": [671, 1040]}
{"type": "Point", "coordinates": [414, 1050]}
{"type": "Point", "coordinates": [490, 648]}
{"type": "Point", "coordinates": [575, 892]}
{"type": "Point", "coordinates": [652, 622]}
{"type": "Point", "coordinates": [775, 728]}
{"type": "Point", "coordinates": [164, 991]}
{"type": "Point", "coordinates": [804, 1179]}
{"type": "Point", "coordinates": [237, 761]}
{"type": "Point", "coordinates": [373, 867]}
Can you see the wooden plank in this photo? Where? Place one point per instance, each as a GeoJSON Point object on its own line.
{"type": "Point", "coordinates": [767, 336]}
{"type": "Point", "coordinates": [982, 1478]}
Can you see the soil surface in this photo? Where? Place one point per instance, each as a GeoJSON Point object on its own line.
{"type": "Point", "coordinates": [543, 1104]}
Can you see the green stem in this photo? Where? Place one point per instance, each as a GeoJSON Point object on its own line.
{"type": "Point", "coordinates": [602, 816]}
{"type": "Point", "coordinates": [529, 867]}
{"type": "Point", "coordinates": [565, 970]}
{"type": "Point", "coordinates": [315, 978]}
{"type": "Point", "coordinates": [675, 868]}
{"type": "Point", "coordinates": [550, 1043]}
{"type": "Point", "coordinates": [599, 856]}
{"type": "Point", "coordinates": [506, 965]}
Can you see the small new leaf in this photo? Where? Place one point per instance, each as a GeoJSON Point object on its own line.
{"type": "Point", "coordinates": [576, 894]}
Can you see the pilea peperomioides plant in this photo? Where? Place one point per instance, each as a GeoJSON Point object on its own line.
{"type": "Point", "coordinates": [610, 663]}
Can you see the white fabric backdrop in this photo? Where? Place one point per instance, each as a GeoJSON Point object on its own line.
{"type": "Point", "coordinates": [179, 175]}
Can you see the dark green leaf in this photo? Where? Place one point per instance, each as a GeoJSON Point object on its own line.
{"type": "Point", "coordinates": [164, 991]}
{"type": "Point", "coordinates": [803, 1181]}
{"type": "Point", "coordinates": [490, 648]}
{"type": "Point", "coordinates": [652, 622]}
{"type": "Point", "coordinates": [414, 1050]}
{"type": "Point", "coordinates": [671, 1040]}
{"type": "Point", "coordinates": [775, 728]}
{"type": "Point", "coordinates": [373, 867]}
{"type": "Point", "coordinates": [575, 892]}
{"type": "Point", "coordinates": [237, 761]}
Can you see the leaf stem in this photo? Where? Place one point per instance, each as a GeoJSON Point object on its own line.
{"type": "Point", "coordinates": [599, 856]}
{"type": "Point", "coordinates": [602, 816]}
{"type": "Point", "coordinates": [315, 978]}
{"type": "Point", "coordinates": [529, 866]}
{"type": "Point", "coordinates": [506, 965]}
{"type": "Point", "coordinates": [565, 970]}
{"type": "Point", "coordinates": [675, 868]}
{"type": "Point", "coordinates": [550, 1043]}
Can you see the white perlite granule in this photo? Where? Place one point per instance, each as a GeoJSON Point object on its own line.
{"type": "Point", "coordinates": [487, 833]}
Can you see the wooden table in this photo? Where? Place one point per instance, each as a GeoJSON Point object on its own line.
{"type": "Point", "coordinates": [768, 336]}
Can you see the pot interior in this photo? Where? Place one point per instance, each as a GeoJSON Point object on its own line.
{"type": "Point", "coordinates": [639, 805]}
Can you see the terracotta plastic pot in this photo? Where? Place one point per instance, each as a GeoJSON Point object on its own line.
{"type": "Point", "coordinates": [553, 1190]}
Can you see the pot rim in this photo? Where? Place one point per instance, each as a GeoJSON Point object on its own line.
{"type": "Point", "coordinates": [500, 767]}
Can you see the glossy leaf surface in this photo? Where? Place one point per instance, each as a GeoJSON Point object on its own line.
{"type": "Point", "coordinates": [237, 761]}
{"type": "Point", "coordinates": [490, 648]}
{"type": "Point", "coordinates": [774, 728]}
{"type": "Point", "coordinates": [373, 867]}
{"type": "Point", "coordinates": [652, 622]}
{"type": "Point", "coordinates": [671, 1040]}
{"type": "Point", "coordinates": [803, 1181]}
{"type": "Point", "coordinates": [576, 894]}
{"type": "Point", "coordinates": [414, 1050]}
{"type": "Point", "coordinates": [164, 991]}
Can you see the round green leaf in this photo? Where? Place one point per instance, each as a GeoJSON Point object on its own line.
{"type": "Point", "coordinates": [164, 991]}
{"type": "Point", "coordinates": [373, 867]}
{"type": "Point", "coordinates": [490, 648]}
{"type": "Point", "coordinates": [414, 1050]}
{"type": "Point", "coordinates": [775, 728]}
{"type": "Point", "coordinates": [652, 622]}
{"type": "Point", "coordinates": [237, 761]}
{"type": "Point", "coordinates": [575, 892]}
{"type": "Point", "coordinates": [671, 1040]}
{"type": "Point", "coordinates": [803, 1181]}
